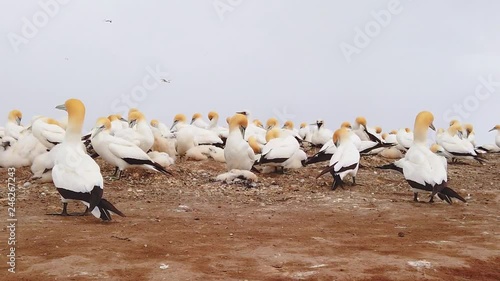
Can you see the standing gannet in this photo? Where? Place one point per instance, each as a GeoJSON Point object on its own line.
{"type": "Point", "coordinates": [497, 138]}
{"type": "Point", "coordinates": [119, 152]}
{"type": "Point", "coordinates": [345, 161]}
{"type": "Point", "coordinates": [197, 121]}
{"type": "Point", "coordinates": [13, 127]}
{"type": "Point", "coordinates": [75, 174]}
{"type": "Point", "coordinates": [48, 131]}
{"type": "Point", "coordinates": [282, 152]}
{"type": "Point", "coordinates": [453, 142]}
{"type": "Point", "coordinates": [320, 134]}
{"type": "Point", "coordinates": [237, 152]}
{"type": "Point", "coordinates": [423, 169]}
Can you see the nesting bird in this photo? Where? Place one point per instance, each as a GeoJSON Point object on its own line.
{"type": "Point", "coordinates": [237, 152]}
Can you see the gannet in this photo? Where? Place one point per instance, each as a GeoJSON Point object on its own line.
{"type": "Point", "coordinates": [237, 152]}
{"type": "Point", "coordinates": [345, 161]}
{"type": "Point", "coordinates": [164, 140]}
{"type": "Point", "coordinates": [48, 131]}
{"type": "Point", "coordinates": [470, 135]}
{"type": "Point", "coordinates": [423, 169]}
{"type": "Point", "coordinates": [120, 152]}
{"type": "Point", "coordinates": [222, 132]}
{"type": "Point", "coordinates": [281, 152]}
{"type": "Point", "coordinates": [305, 132]}
{"type": "Point", "coordinates": [365, 133]}
{"type": "Point", "coordinates": [405, 138]}
{"type": "Point", "coordinates": [197, 121]}
{"type": "Point", "coordinates": [497, 138]}
{"type": "Point", "coordinates": [75, 174]}
{"type": "Point", "coordinates": [320, 134]}
{"type": "Point", "coordinates": [13, 127]}
{"type": "Point", "coordinates": [453, 142]}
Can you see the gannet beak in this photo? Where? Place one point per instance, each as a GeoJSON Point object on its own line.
{"type": "Point", "coordinates": [123, 119]}
{"type": "Point", "coordinates": [61, 107]}
{"type": "Point", "coordinates": [192, 120]}
{"type": "Point", "coordinates": [173, 125]}
{"type": "Point", "coordinates": [432, 127]}
{"type": "Point", "coordinates": [100, 129]}
{"type": "Point", "coordinates": [283, 127]}
{"type": "Point", "coordinates": [132, 123]}
{"type": "Point", "coordinates": [18, 120]}
{"type": "Point", "coordinates": [492, 130]}
{"type": "Point", "coordinates": [242, 130]}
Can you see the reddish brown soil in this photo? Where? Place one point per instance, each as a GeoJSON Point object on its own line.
{"type": "Point", "coordinates": [286, 227]}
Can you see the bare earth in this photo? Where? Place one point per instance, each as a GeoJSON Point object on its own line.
{"type": "Point", "coordinates": [284, 227]}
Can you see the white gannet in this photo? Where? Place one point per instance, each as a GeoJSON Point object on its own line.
{"type": "Point", "coordinates": [453, 142]}
{"type": "Point", "coordinates": [188, 135]}
{"type": "Point", "coordinates": [75, 174]}
{"type": "Point", "coordinates": [164, 140]}
{"type": "Point", "coordinates": [305, 132]}
{"type": "Point", "coordinates": [222, 132]}
{"type": "Point", "coordinates": [470, 135]}
{"type": "Point", "coordinates": [120, 152]}
{"type": "Point", "coordinates": [497, 138]}
{"type": "Point", "coordinates": [320, 134]}
{"type": "Point", "coordinates": [282, 152]}
{"type": "Point", "coordinates": [423, 169]}
{"type": "Point", "coordinates": [13, 127]}
{"type": "Point", "coordinates": [237, 152]}
{"type": "Point", "coordinates": [365, 133]}
{"type": "Point", "coordinates": [288, 129]}
{"type": "Point", "coordinates": [197, 121]}
{"type": "Point", "coordinates": [48, 131]}
{"type": "Point", "coordinates": [204, 152]}
{"type": "Point", "coordinates": [345, 161]}
{"type": "Point", "coordinates": [118, 123]}
{"type": "Point", "coordinates": [405, 138]}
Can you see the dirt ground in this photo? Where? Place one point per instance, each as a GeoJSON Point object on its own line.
{"type": "Point", "coordinates": [284, 227]}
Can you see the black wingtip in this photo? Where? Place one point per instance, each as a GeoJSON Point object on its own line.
{"type": "Point", "coordinates": [390, 166]}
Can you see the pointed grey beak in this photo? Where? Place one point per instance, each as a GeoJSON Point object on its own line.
{"type": "Point", "coordinates": [432, 127]}
{"type": "Point", "coordinates": [100, 129]}
{"type": "Point", "coordinates": [492, 130]}
{"type": "Point", "coordinates": [18, 120]}
{"type": "Point", "coordinates": [192, 120]}
{"type": "Point", "coordinates": [242, 130]}
{"type": "Point", "coordinates": [123, 119]}
{"type": "Point", "coordinates": [132, 123]}
{"type": "Point", "coordinates": [173, 125]}
{"type": "Point", "coordinates": [61, 107]}
{"type": "Point", "coordinates": [241, 112]}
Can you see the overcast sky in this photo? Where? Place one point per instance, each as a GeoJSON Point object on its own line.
{"type": "Point", "coordinates": [299, 60]}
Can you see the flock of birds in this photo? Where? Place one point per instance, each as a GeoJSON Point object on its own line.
{"type": "Point", "coordinates": [58, 152]}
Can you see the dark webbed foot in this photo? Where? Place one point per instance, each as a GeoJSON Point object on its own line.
{"type": "Point", "coordinates": [415, 197]}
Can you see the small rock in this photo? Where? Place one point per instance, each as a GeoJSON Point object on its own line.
{"type": "Point", "coordinates": [401, 234]}
{"type": "Point", "coordinates": [164, 266]}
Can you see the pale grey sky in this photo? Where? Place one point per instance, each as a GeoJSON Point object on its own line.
{"type": "Point", "coordinates": [274, 57]}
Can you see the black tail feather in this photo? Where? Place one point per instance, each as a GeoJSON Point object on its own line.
{"type": "Point", "coordinates": [452, 194]}
{"type": "Point", "coordinates": [106, 205]}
